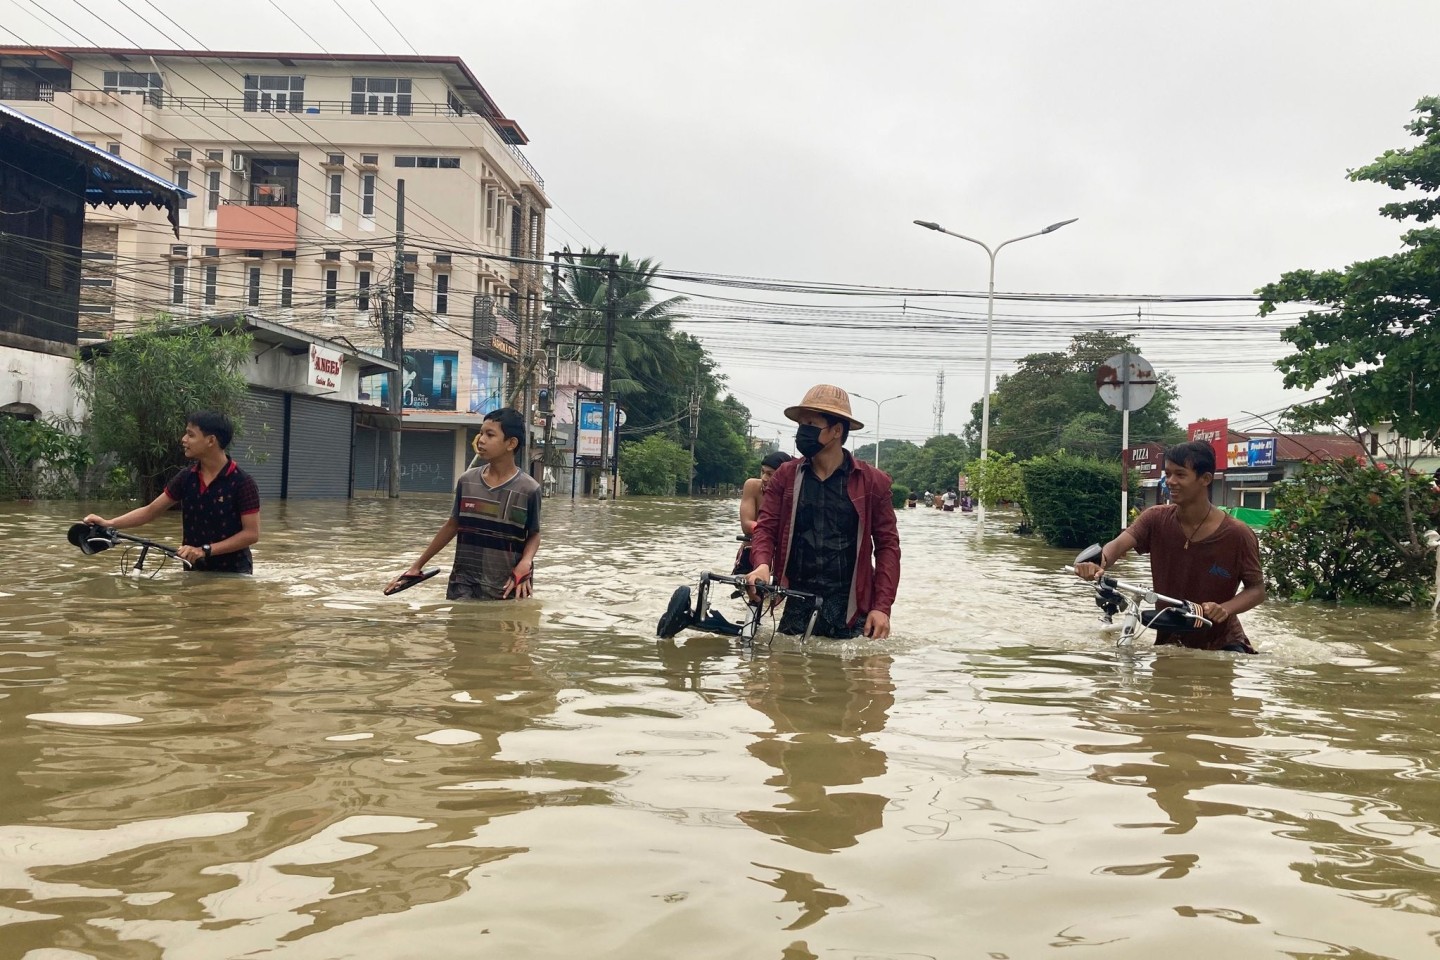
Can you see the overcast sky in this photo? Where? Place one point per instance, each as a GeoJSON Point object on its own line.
{"type": "Point", "coordinates": [1203, 146]}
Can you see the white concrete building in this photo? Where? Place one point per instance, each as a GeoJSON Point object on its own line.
{"type": "Point", "coordinates": [295, 161]}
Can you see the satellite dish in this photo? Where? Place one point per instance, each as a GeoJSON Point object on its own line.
{"type": "Point", "coordinates": [1126, 382]}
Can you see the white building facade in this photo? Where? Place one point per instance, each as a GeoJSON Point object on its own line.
{"type": "Point", "coordinates": [296, 160]}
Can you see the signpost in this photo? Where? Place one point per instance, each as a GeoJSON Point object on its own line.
{"type": "Point", "coordinates": [1126, 382]}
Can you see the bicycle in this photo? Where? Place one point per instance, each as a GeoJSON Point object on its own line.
{"type": "Point", "coordinates": [92, 538]}
{"type": "Point", "coordinates": [681, 615]}
{"type": "Point", "coordinates": [1114, 596]}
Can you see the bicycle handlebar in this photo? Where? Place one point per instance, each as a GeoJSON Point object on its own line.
{"type": "Point", "coordinates": [1189, 608]}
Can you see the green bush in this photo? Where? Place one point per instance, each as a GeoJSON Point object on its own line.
{"type": "Point", "coordinates": [653, 466]}
{"type": "Point", "coordinates": [1338, 533]}
{"type": "Point", "coordinates": [40, 459]}
{"type": "Point", "coordinates": [898, 494]}
{"type": "Point", "coordinates": [1073, 501]}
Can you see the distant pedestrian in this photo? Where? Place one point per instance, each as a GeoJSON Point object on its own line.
{"type": "Point", "coordinates": [496, 516]}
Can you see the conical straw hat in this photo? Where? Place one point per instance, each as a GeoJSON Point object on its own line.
{"type": "Point", "coordinates": [825, 398]}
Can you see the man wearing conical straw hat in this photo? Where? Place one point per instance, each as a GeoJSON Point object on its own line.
{"type": "Point", "coordinates": [827, 525]}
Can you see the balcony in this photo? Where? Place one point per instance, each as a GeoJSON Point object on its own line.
{"type": "Point", "coordinates": [495, 330]}
{"type": "Point", "coordinates": [258, 226]}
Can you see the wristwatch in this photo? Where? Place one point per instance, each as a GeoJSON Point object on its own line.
{"type": "Point", "coordinates": [206, 548]}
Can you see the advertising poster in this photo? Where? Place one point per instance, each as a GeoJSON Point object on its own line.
{"type": "Point", "coordinates": [486, 387]}
{"type": "Point", "coordinates": [1261, 452]}
{"type": "Point", "coordinates": [430, 379]}
{"type": "Point", "coordinates": [589, 428]}
{"type": "Point", "coordinates": [1217, 434]}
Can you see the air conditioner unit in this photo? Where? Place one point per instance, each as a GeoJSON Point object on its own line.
{"type": "Point", "coordinates": [239, 163]}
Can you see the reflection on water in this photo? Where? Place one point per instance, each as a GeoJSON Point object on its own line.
{"type": "Point", "coordinates": [294, 765]}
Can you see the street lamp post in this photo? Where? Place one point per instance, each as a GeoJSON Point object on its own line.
{"type": "Point", "coordinates": [878, 405]}
{"type": "Point", "coordinates": [989, 327]}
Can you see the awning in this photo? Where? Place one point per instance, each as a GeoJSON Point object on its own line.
{"type": "Point", "coordinates": [108, 179]}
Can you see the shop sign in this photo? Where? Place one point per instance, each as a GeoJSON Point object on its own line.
{"type": "Point", "coordinates": [325, 367]}
{"type": "Point", "coordinates": [1261, 452]}
{"type": "Point", "coordinates": [1217, 434]}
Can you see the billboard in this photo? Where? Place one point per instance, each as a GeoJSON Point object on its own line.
{"type": "Point", "coordinates": [1237, 455]}
{"type": "Point", "coordinates": [589, 428]}
{"type": "Point", "coordinates": [487, 381]}
{"type": "Point", "coordinates": [429, 379]}
{"type": "Point", "coordinates": [1261, 452]}
{"type": "Point", "coordinates": [1217, 434]}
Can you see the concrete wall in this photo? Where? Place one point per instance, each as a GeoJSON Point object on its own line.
{"type": "Point", "coordinates": [39, 380]}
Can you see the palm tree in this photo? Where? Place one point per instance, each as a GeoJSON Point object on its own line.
{"type": "Point", "coordinates": [652, 369]}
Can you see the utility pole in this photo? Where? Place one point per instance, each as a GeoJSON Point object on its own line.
{"type": "Point", "coordinates": [553, 359]}
{"type": "Point", "coordinates": [396, 326]}
{"type": "Point", "coordinates": [605, 387]}
{"type": "Point", "coordinates": [694, 428]}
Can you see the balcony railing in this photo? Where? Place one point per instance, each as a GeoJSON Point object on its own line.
{"type": "Point", "coordinates": [495, 329]}
{"type": "Point", "coordinates": [337, 108]}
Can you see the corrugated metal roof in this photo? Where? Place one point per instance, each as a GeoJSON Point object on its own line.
{"type": "Point", "coordinates": [110, 180]}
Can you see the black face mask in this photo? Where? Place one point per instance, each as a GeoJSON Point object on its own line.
{"type": "Point", "coordinates": [807, 440]}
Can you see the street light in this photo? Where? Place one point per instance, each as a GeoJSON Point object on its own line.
{"type": "Point", "coordinates": [878, 405]}
{"type": "Point", "coordinates": [989, 326]}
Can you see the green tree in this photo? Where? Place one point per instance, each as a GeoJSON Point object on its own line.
{"type": "Point", "coordinates": [1372, 330]}
{"type": "Point", "coordinates": [139, 393]}
{"type": "Point", "coordinates": [40, 458]}
{"type": "Point", "coordinates": [1073, 500]}
{"type": "Point", "coordinates": [1335, 535]}
{"type": "Point", "coordinates": [653, 466]}
{"type": "Point", "coordinates": [1050, 402]}
{"type": "Point", "coordinates": [997, 479]}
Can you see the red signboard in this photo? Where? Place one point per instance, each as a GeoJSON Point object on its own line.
{"type": "Point", "coordinates": [1217, 434]}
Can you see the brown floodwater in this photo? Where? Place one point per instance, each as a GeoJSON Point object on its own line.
{"type": "Point", "coordinates": [292, 765]}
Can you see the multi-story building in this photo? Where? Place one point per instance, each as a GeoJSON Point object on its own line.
{"type": "Point", "coordinates": [296, 162]}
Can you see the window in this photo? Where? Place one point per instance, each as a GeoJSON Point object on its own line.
{"type": "Point", "coordinates": [457, 108]}
{"type": "Point", "coordinates": [367, 195]}
{"type": "Point", "coordinates": [335, 160]}
{"type": "Point", "coordinates": [375, 95]}
{"type": "Point", "coordinates": [407, 300]}
{"type": "Point", "coordinates": [211, 251]}
{"type": "Point", "coordinates": [96, 255]}
{"type": "Point", "coordinates": [370, 159]}
{"type": "Point", "coordinates": [212, 188]}
{"type": "Point", "coordinates": [182, 153]}
{"type": "Point", "coordinates": [179, 250]}
{"type": "Point", "coordinates": [113, 147]}
{"type": "Point", "coordinates": [212, 281]}
{"type": "Point", "coordinates": [442, 258]}
{"type": "Point", "coordinates": [365, 256]}
{"type": "Point", "coordinates": [128, 81]}
{"type": "Point", "coordinates": [182, 180]}
{"type": "Point", "coordinates": [442, 293]}
{"type": "Point", "coordinates": [177, 285]}
{"type": "Point", "coordinates": [287, 287]}
{"type": "Point", "coordinates": [332, 283]}
{"type": "Point", "coordinates": [96, 282]}
{"type": "Point", "coordinates": [362, 299]}
{"type": "Point", "coordinates": [432, 163]}
{"type": "Point", "coordinates": [332, 254]}
{"type": "Point", "coordinates": [216, 155]}
{"type": "Point", "coordinates": [269, 94]}
{"type": "Point", "coordinates": [252, 287]}
{"type": "Point", "coordinates": [97, 308]}
{"type": "Point", "coordinates": [337, 187]}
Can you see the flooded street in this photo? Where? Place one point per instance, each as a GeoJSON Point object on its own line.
{"type": "Point", "coordinates": [293, 765]}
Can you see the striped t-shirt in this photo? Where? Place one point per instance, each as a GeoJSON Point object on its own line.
{"type": "Point", "coordinates": [494, 524]}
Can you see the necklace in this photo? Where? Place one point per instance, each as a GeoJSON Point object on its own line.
{"type": "Point", "coordinates": [502, 483]}
{"type": "Point", "coordinates": [1191, 535]}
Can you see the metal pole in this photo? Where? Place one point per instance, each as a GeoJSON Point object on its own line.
{"type": "Point", "coordinates": [575, 453]}
{"type": "Point", "coordinates": [397, 341]}
{"type": "Point", "coordinates": [985, 400]}
{"type": "Point", "coordinates": [1124, 439]}
{"type": "Point", "coordinates": [553, 358]}
{"type": "Point", "coordinates": [694, 430]}
{"type": "Point", "coordinates": [879, 437]}
{"type": "Point", "coordinates": [605, 388]}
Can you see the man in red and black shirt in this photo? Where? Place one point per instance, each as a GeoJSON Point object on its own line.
{"type": "Point", "coordinates": [220, 503]}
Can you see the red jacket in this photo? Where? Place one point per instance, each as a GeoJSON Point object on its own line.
{"type": "Point", "coordinates": [873, 585]}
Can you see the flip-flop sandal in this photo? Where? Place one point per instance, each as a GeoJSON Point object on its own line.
{"type": "Point", "coordinates": [408, 580]}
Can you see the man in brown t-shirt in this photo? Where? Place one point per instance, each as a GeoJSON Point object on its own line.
{"type": "Point", "coordinates": [1196, 552]}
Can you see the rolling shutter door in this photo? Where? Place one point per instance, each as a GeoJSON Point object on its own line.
{"type": "Point", "coordinates": [427, 461]}
{"type": "Point", "coordinates": [370, 459]}
{"type": "Point", "coordinates": [260, 447]}
{"type": "Point", "coordinates": [319, 456]}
